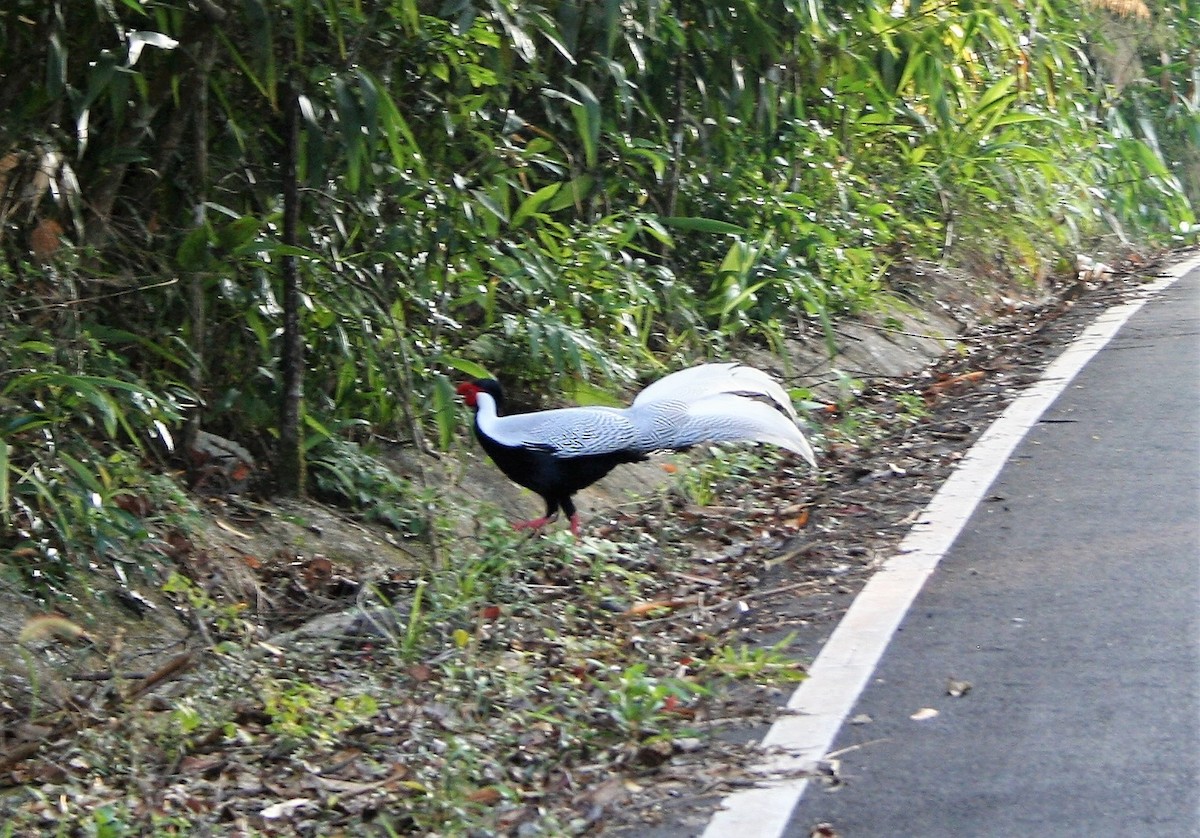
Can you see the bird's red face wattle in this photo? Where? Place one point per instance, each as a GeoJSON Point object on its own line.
{"type": "Point", "coordinates": [468, 392]}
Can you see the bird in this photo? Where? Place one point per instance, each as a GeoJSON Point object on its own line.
{"type": "Point", "coordinates": [557, 452]}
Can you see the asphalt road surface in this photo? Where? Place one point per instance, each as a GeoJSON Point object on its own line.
{"type": "Point", "coordinates": [1070, 604]}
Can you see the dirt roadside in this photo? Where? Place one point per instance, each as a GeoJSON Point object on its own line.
{"type": "Point", "coordinates": [323, 720]}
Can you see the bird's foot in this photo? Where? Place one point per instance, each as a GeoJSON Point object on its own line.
{"type": "Point", "coordinates": [535, 524]}
{"type": "Point", "coordinates": [540, 523]}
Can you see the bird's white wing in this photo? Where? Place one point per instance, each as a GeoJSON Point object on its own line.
{"type": "Point", "coordinates": [726, 417]}
{"type": "Point", "coordinates": [568, 432]}
{"type": "Point", "coordinates": [695, 383]}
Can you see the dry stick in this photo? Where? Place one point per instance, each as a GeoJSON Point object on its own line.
{"type": "Point", "coordinates": [835, 754]}
{"type": "Point", "coordinates": [770, 592]}
{"type": "Point", "coordinates": [22, 752]}
{"type": "Point", "coordinates": [109, 675]}
{"type": "Point", "coordinates": [170, 669]}
{"type": "Point", "coordinates": [691, 577]}
{"type": "Point", "coordinates": [782, 589]}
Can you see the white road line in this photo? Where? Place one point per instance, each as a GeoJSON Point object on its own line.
{"type": "Point", "coordinates": [817, 709]}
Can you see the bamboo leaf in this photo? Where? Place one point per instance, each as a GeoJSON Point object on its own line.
{"type": "Point", "coordinates": [533, 203]}
{"type": "Point", "coordinates": [740, 299]}
{"type": "Point", "coordinates": [572, 194]}
{"type": "Point", "coordinates": [260, 83]}
{"type": "Point", "coordinates": [138, 40]}
{"type": "Point", "coordinates": [467, 367]}
{"type": "Point", "coordinates": [994, 94]}
{"type": "Point", "coordinates": [490, 204]}
{"type": "Point", "coordinates": [587, 121]}
{"type": "Point", "coordinates": [702, 225]}
{"type": "Point", "coordinates": [588, 394]}
{"type": "Point", "coordinates": [402, 143]}
{"type": "Point", "coordinates": [56, 67]}
{"type": "Point", "coordinates": [82, 473]}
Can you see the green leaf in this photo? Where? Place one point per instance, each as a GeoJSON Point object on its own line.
{"type": "Point", "coordinates": [83, 474]}
{"type": "Point", "coordinates": [534, 202]}
{"type": "Point", "coordinates": [102, 401]}
{"type": "Point", "coordinates": [237, 233]}
{"type": "Point", "coordinates": [702, 225]}
{"type": "Point", "coordinates": [402, 143]}
{"type": "Point", "coordinates": [588, 394]}
{"type": "Point", "coordinates": [351, 120]}
{"type": "Point", "coordinates": [994, 94]}
{"type": "Point", "coordinates": [490, 204]}
{"type": "Point", "coordinates": [737, 301]}
{"type": "Point", "coordinates": [56, 68]}
{"type": "Point", "coordinates": [587, 121]}
{"type": "Point", "coordinates": [322, 431]}
{"type": "Point", "coordinates": [467, 367]}
{"type": "Point", "coordinates": [572, 193]}
{"type": "Point", "coordinates": [39, 347]}
{"type": "Point", "coordinates": [193, 253]}
{"type": "Point", "coordinates": [739, 259]}
{"type": "Point", "coordinates": [107, 334]}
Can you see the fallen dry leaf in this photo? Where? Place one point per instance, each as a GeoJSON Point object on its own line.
{"type": "Point", "coordinates": [201, 763]}
{"type": "Point", "coordinates": [230, 529]}
{"type": "Point", "coordinates": [45, 239]}
{"type": "Point", "coordinates": [798, 521]}
{"type": "Point", "coordinates": [640, 609]}
{"type": "Point", "coordinates": [317, 571]}
{"type": "Point", "coordinates": [137, 505]}
{"type": "Point", "coordinates": [488, 796]}
{"type": "Point", "coordinates": [286, 808]}
{"type": "Point", "coordinates": [939, 387]}
{"type": "Point", "coordinates": [923, 714]}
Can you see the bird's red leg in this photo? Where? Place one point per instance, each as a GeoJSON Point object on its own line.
{"type": "Point", "coordinates": [536, 523]}
{"type": "Point", "coordinates": [575, 527]}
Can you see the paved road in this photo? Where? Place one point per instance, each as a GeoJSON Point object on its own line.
{"type": "Point", "coordinates": [1071, 603]}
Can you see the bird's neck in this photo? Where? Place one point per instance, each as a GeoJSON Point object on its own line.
{"type": "Point", "coordinates": [485, 412]}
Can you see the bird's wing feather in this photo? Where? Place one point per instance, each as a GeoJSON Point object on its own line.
{"type": "Point", "coordinates": [727, 417]}
{"type": "Point", "coordinates": [695, 383]}
{"type": "Point", "coordinates": [567, 432]}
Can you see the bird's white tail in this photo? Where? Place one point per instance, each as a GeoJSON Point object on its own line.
{"type": "Point", "coordinates": [695, 383]}
{"type": "Point", "coordinates": [722, 403]}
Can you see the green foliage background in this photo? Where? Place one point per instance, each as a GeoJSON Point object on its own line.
{"type": "Point", "coordinates": [583, 191]}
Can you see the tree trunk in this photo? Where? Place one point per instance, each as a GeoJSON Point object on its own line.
{"type": "Point", "coordinates": [206, 57]}
{"type": "Point", "coordinates": [289, 467]}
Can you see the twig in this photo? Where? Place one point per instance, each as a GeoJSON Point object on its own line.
{"type": "Point", "coordinates": [703, 580]}
{"type": "Point", "coordinates": [95, 298]}
{"type": "Point", "coordinates": [20, 753]}
{"type": "Point", "coordinates": [846, 750]}
{"type": "Point", "coordinates": [170, 669]}
{"type": "Point", "coordinates": [782, 589]}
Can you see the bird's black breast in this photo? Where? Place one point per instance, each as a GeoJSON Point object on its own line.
{"type": "Point", "coordinates": [551, 476]}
